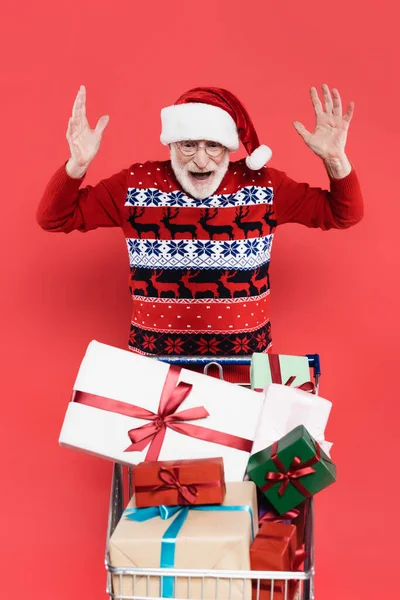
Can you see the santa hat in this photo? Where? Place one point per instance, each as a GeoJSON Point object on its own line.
{"type": "Point", "coordinates": [216, 115]}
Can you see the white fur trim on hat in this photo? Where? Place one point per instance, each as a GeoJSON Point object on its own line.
{"type": "Point", "coordinates": [198, 121]}
{"type": "Point", "coordinates": [259, 157]}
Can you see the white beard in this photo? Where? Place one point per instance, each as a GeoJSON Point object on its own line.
{"type": "Point", "coordinates": [199, 189]}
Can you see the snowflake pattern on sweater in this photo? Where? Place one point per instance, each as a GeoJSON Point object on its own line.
{"type": "Point", "coordinates": [232, 254]}
{"type": "Point", "coordinates": [154, 197]}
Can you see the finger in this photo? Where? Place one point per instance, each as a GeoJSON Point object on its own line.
{"type": "Point", "coordinates": [316, 101]}
{"type": "Point", "coordinates": [102, 124]}
{"type": "Point", "coordinates": [337, 103]}
{"type": "Point", "coordinates": [79, 107]}
{"type": "Point", "coordinates": [301, 130]}
{"type": "Point", "coordinates": [327, 99]}
{"type": "Point", "coordinates": [348, 115]}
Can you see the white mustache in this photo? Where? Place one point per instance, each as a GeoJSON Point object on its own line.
{"type": "Point", "coordinates": [194, 169]}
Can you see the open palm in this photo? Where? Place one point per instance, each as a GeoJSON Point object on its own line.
{"type": "Point", "coordinates": [83, 141]}
{"type": "Point", "coordinates": [328, 140]}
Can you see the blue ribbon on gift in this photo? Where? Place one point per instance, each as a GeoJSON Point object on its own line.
{"type": "Point", "coordinates": [168, 541]}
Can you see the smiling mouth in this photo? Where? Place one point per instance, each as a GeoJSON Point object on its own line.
{"type": "Point", "coordinates": [201, 176]}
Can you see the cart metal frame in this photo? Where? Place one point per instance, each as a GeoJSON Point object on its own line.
{"type": "Point", "coordinates": [122, 481]}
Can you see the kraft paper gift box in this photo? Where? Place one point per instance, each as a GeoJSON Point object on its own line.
{"type": "Point", "coordinates": [130, 408]}
{"type": "Point", "coordinates": [278, 368]}
{"type": "Point", "coordinates": [275, 549]}
{"type": "Point", "coordinates": [188, 482]}
{"type": "Point", "coordinates": [291, 470]}
{"type": "Point", "coordinates": [211, 537]}
{"type": "Point", "coordinates": [284, 409]}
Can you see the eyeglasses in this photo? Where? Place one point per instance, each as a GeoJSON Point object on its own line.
{"type": "Point", "coordinates": [189, 148]}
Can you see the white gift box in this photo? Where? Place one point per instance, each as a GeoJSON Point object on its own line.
{"type": "Point", "coordinates": [111, 373]}
{"type": "Point", "coordinates": [284, 409]}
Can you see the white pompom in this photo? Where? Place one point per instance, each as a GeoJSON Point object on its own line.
{"type": "Point", "coordinates": [259, 157]}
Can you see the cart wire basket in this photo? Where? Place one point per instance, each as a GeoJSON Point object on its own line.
{"type": "Point", "coordinates": [200, 584]}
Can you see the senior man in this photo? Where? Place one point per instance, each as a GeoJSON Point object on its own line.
{"type": "Point", "coordinates": [199, 227]}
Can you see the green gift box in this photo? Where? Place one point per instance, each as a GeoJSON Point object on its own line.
{"type": "Point", "coordinates": [292, 469]}
{"type": "Point", "coordinates": [278, 368]}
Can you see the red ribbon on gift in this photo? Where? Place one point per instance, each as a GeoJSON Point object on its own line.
{"type": "Point", "coordinates": [172, 396]}
{"type": "Point", "coordinates": [272, 517]}
{"type": "Point", "coordinates": [170, 478]}
{"type": "Point", "coordinates": [298, 558]}
{"type": "Point", "coordinates": [296, 470]}
{"type": "Point", "coordinates": [276, 375]}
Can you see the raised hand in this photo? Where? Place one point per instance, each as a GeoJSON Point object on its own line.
{"type": "Point", "coordinates": [84, 142]}
{"type": "Point", "coordinates": [328, 140]}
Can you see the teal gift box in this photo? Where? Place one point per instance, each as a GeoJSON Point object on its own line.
{"type": "Point", "coordinates": [292, 469]}
{"type": "Point", "coordinates": [278, 368]}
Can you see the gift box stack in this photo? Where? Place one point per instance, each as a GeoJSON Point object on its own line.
{"type": "Point", "coordinates": [221, 473]}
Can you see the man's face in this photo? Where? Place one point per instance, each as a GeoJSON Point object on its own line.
{"type": "Point", "coordinates": [199, 166]}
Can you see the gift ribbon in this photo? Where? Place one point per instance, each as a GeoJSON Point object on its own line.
{"type": "Point", "coordinates": [296, 470]}
{"type": "Point", "coordinates": [170, 477]}
{"type": "Point", "coordinates": [272, 517]}
{"type": "Point", "coordinates": [276, 375]}
{"type": "Point", "coordinates": [172, 396]}
{"type": "Point", "coordinates": [168, 540]}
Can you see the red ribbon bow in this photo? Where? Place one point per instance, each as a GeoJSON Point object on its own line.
{"type": "Point", "coordinates": [170, 478]}
{"type": "Point", "coordinates": [296, 470]}
{"type": "Point", "coordinates": [172, 396]}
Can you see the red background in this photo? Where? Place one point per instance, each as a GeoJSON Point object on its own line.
{"type": "Point", "coordinates": [333, 292]}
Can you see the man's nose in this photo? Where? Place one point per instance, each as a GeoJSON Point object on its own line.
{"type": "Point", "coordinates": [201, 159]}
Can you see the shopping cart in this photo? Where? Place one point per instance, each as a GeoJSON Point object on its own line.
{"type": "Point", "coordinates": [246, 585]}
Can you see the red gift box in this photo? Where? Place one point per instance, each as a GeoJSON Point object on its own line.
{"type": "Point", "coordinates": [296, 516]}
{"type": "Point", "coordinates": [275, 549]}
{"type": "Point", "coordinates": [181, 482]}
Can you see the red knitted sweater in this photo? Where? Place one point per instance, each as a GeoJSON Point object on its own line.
{"type": "Point", "coordinates": [198, 268]}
